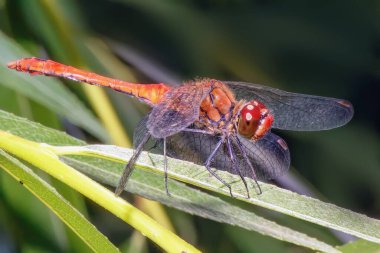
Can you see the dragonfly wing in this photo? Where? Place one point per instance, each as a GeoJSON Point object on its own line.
{"type": "Point", "coordinates": [140, 131]}
{"type": "Point", "coordinates": [269, 156]}
{"type": "Point", "coordinates": [178, 109]}
{"type": "Point", "coordinates": [293, 111]}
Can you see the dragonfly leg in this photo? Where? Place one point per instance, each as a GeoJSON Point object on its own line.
{"type": "Point", "coordinates": [208, 162]}
{"type": "Point", "coordinates": [155, 145]}
{"type": "Point", "coordinates": [236, 169]}
{"type": "Point", "coordinates": [166, 169]}
{"type": "Point", "coordinates": [192, 130]}
{"type": "Point", "coordinates": [242, 151]}
{"type": "Point", "coordinates": [129, 167]}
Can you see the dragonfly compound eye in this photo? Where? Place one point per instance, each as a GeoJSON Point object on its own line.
{"type": "Point", "coordinates": [254, 120]}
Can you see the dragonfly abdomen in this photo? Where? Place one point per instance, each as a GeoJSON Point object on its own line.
{"type": "Point", "coordinates": [148, 93]}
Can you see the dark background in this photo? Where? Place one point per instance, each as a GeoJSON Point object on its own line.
{"type": "Point", "coordinates": [328, 48]}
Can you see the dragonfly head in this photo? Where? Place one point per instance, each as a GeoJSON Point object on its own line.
{"type": "Point", "coordinates": [254, 120]}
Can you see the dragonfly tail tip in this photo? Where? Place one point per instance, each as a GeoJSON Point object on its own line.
{"type": "Point", "coordinates": [12, 65]}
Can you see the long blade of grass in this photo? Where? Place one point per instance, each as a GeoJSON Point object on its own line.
{"type": "Point", "coordinates": [51, 198]}
{"type": "Point", "coordinates": [193, 201]}
{"type": "Point", "coordinates": [361, 246]}
{"type": "Point", "coordinates": [273, 198]}
{"type": "Point", "coordinates": [41, 157]}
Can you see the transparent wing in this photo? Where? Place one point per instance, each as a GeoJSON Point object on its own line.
{"type": "Point", "coordinates": [140, 131]}
{"type": "Point", "coordinates": [293, 111]}
{"type": "Point", "coordinates": [269, 156]}
{"type": "Point", "coordinates": [178, 109]}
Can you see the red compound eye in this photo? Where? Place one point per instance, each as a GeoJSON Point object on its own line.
{"type": "Point", "coordinates": [254, 120]}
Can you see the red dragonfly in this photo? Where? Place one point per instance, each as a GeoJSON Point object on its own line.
{"type": "Point", "coordinates": [220, 124]}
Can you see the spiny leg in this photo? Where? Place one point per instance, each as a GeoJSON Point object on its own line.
{"type": "Point", "coordinates": [166, 168]}
{"type": "Point", "coordinates": [129, 167]}
{"type": "Point", "coordinates": [209, 160]}
{"type": "Point", "coordinates": [233, 161]}
{"type": "Point", "coordinates": [155, 145]}
{"type": "Point", "coordinates": [200, 131]}
{"type": "Point", "coordinates": [242, 151]}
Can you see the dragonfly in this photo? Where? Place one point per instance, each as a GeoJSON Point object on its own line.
{"type": "Point", "coordinates": [219, 124]}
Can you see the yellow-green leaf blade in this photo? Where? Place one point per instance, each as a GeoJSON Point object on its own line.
{"type": "Point", "coordinates": [273, 198]}
{"type": "Point", "coordinates": [55, 202]}
{"type": "Point", "coordinates": [361, 246]}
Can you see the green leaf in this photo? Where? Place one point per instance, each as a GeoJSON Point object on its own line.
{"type": "Point", "coordinates": [361, 246]}
{"type": "Point", "coordinates": [151, 185]}
{"type": "Point", "coordinates": [193, 201]}
{"type": "Point", "coordinates": [48, 195]}
{"type": "Point", "coordinates": [274, 198]}
{"type": "Point", "coordinates": [40, 156]}
{"type": "Point", "coordinates": [34, 131]}
{"type": "Point", "coordinates": [46, 91]}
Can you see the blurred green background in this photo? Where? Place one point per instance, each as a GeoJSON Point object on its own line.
{"type": "Point", "coordinates": [320, 47]}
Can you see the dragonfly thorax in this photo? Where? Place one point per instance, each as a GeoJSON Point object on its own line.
{"type": "Point", "coordinates": [217, 109]}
